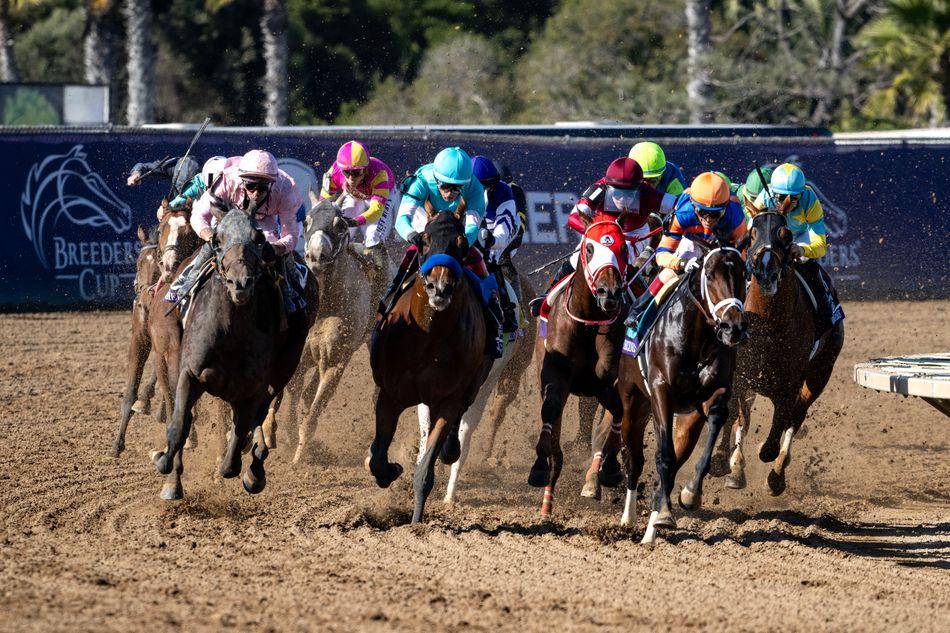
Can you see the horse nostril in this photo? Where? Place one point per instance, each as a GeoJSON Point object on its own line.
{"type": "Point", "coordinates": [430, 286]}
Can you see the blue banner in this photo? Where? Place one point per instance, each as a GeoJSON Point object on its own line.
{"type": "Point", "coordinates": [69, 220]}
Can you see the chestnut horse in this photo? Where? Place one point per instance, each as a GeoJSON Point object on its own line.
{"type": "Point", "coordinates": [784, 361]}
{"type": "Point", "coordinates": [580, 351]}
{"type": "Point", "coordinates": [688, 360]}
{"type": "Point", "coordinates": [155, 269]}
{"type": "Point", "coordinates": [236, 346]}
{"type": "Point", "coordinates": [429, 349]}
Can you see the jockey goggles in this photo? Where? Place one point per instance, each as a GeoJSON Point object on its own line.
{"type": "Point", "coordinates": [256, 184]}
{"type": "Point", "coordinates": [617, 200]}
{"type": "Point", "coordinates": [708, 212]}
{"type": "Point", "coordinates": [445, 186]}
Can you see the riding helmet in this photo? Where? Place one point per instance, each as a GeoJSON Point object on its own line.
{"type": "Point", "coordinates": [651, 158]}
{"type": "Point", "coordinates": [453, 166]}
{"type": "Point", "coordinates": [709, 191]}
{"type": "Point", "coordinates": [624, 173]}
{"type": "Point", "coordinates": [787, 179]}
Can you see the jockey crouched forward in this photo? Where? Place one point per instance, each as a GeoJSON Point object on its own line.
{"type": "Point", "coordinates": [502, 226]}
{"type": "Point", "coordinates": [706, 210]}
{"type": "Point", "coordinates": [254, 178]}
{"type": "Point", "coordinates": [444, 183]}
{"type": "Point", "coordinates": [368, 200]}
{"type": "Point", "coordinates": [621, 192]}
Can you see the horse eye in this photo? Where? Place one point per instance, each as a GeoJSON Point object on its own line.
{"type": "Point", "coordinates": [590, 250]}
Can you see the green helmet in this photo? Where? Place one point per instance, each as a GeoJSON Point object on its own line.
{"type": "Point", "coordinates": [724, 177]}
{"type": "Point", "coordinates": [650, 157]}
{"type": "Point", "coordinates": [753, 184]}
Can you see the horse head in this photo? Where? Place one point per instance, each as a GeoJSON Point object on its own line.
{"type": "Point", "coordinates": [175, 239]}
{"type": "Point", "coordinates": [603, 261]}
{"type": "Point", "coordinates": [238, 245]}
{"type": "Point", "coordinates": [65, 185]}
{"type": "Point", "coordinates": [723, 289]}
{"type": "Point", "coordinates": [769, 256]}
{"type": "Point", "coordinates": [324, 231]}
{"type": "Point", "coordinates": [444, 247]}
{"type": "Point", "coordinates": [145, 262]}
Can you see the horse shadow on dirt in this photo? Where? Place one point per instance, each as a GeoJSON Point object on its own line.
{"type": "Point", "coordinates": [925, 545]}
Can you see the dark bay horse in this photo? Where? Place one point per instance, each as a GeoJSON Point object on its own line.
{"type": "Point", "coordinates": [156, 267]}
{"type": "Point", "coordinates": [688, 358]}
{"type": "Point", "coordinates": [580, 352]}
{"type": "Point", "coordinates": [235, 346]}
{"type": "Point", "coordinates": [429, 349]}
{"type": "Point", "coordinates": [783, 360]}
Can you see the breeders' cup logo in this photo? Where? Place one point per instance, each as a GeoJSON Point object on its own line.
{"type": "Point", "coordinates": [606, 240]}
{"type": "Point", "coordinates": [63, 190]}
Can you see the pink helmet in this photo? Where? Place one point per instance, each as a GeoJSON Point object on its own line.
{"type": "Point", "coordinates": [352, 156]}
{"type": "Point", "coordinates": [258, 163]}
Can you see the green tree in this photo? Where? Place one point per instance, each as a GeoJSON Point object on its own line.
{"type": "Point", "coordinates": [911, 42]}
{"type": "Point", "coordinates": [51, 50]}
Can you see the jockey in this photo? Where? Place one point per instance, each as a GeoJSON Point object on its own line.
{"type": "Point", "coordinates": [209, 173]}
{"type": "Point", "coordinates": [806, 221]}
{"type": "Point", "coordinates": [180, 169]}
{"type": "Point", "coordinates": [621, 192]}
{"type": "Point", "coordinates": [748, 192]}
{"type": "Point", "coordinates": [368, 198]}
{"type": "Point", "coordinates": [444, 183]}
{"type": "Point", "coordinates": [255, 177]}
{"type": "Point", "coordinates": [705, 210]}
{"type": "Point", "coordinates": [659, 173]}
{"type": "Point", "coordinates": [502, 224]}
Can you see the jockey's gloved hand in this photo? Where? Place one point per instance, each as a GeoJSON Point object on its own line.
{"type": "Point", "coordinates": [268, 254]}
{"type": "Point", "coordinates": [486, 238]}
{"type": "Point", "coordinates": [350, 222]}
{"type": "Point", "coordinates": [797, 252]}
{"type": "Point", "coordinates": [691, 264]}
{"type": "Point", "coordinates": [415, 239]}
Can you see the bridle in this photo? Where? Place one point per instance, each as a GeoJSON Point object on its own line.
{"type": "Point", "coordinates": [714, 312]}
{"type": "Point", "coordinates": [756, 253]}
{"type": "Point", "coordinates": [591, 275]}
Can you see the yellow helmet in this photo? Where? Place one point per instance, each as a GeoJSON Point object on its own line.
{"type": "Point", "coordinates": [650, 157]}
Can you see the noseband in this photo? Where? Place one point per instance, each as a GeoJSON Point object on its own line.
{"type": "Point", "coordinates": [714, 312]}
{"type": "Point", "coordinates": [757, 254]}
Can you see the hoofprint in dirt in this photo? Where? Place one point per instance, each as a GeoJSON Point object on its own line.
{"type": "Point", "coordinates": [860, 541]}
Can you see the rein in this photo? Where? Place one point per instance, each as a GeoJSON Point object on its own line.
{"type": "Point", "coordinates": [582, 321]}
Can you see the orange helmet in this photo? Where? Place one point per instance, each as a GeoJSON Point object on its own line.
{"type": "Point", "coordinates": [709, 192]}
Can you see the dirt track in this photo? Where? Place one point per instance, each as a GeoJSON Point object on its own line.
{"type": "Point", "coordinates": [861, 540]}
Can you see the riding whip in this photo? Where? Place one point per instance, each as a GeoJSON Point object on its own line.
{"type": "Point", "coordinates": [201, 129]}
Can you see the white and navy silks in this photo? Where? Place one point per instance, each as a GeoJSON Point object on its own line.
{"type": "Point", "coordinates": [501, 218]}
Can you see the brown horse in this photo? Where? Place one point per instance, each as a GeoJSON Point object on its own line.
{"type": "Point", "coordinates": [429, 349]}
{"type": "Point", "coordinates": [688, 360]}
{"type": "Point", "coordinates": [783, 361]}
{"type": "Point", "coordinates": [237, 345]}
{"type": "Point", "coordinates": [155, 269]}
{"type": "Point", "coordinates": [580, 351]}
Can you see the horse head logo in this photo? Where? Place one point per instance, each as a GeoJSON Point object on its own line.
{"type": "Point", "coordinates": [63, 185]}
{"type": "Point", "coordinates": [836, 220]}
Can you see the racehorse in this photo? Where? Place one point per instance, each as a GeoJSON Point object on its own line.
{"type": "Point", "coordinates": [580, 351]}
{"type": "Point", "coordinates": [499, 390]}
{"type": "Point", "coordinates": [344, 321]}
{"type": "Point", "coordinates": [688, 359]}
{"type": "Point", "coordinates": [784, 361]}
{"type": "Point", "coordinates": [237, 345]}
{"type": "Point", "coordinates": [429, 349]}
{"type": "Point", "coordinates": [155, 268]}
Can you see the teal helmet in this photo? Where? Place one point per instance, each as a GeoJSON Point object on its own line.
{"type": "Point", "coordinates": [787, 179]}
{"type": "Point", "coordinates": [453, 166]}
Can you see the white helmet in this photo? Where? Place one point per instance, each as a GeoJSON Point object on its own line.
{"type": "Point", "coordinates": [212, 169]}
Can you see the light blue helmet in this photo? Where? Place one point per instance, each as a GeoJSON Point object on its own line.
{"type": "Point", "coordinates": [787, 179]}
{"type": "Point", "coordinates": [453, 166]}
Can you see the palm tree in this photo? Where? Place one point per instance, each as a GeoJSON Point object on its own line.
{"type": "Point", "coordinates": [699, 89]}
{"type": "Point", "coordinates": [98, 42]}
{"type": "Point", "coordinates": [141, 61]}
{"type": "Point", "coordinates": [274, 28]}
{"type": "Point", "coordinates": [8, 69]}
{"type": "Point", "coordinates": [912, 39]}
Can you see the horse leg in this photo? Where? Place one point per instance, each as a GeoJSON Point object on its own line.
{"type": "Point", "coordinates": [736, 477]}
{"type": "Point", "coordinates": [467, 426]}
{"type": "Point", "coordinates": [719, 466]}
{"type": "Point", "coordinates": [661, 514]}
{"type": "Point", "coordinates": [557, 462]}
{"type": "Point", "coordinates": [425, 425]}
{"type": "Point", "coordinates": [329, 377]}
{"type": "Point", "coordinates": [611, 475]}
{"type": "Point", "coordinates": [636, 411]}
{"type": "Point", "coordinates": [241, 418]}
{"type": "Point", "coordinates": [553, 395]}
{"type": "Point", "coordinates": [591, 489]}
{"type": "Point", "coordinates": [143, 404]}
{"type": "Point", "coordinates": [255, 478]}
{"type": "Point", "coordinates": [691, 495]}
{"type": "Point", "coordinates": [139, 347]}
{"type": "Point", "coordinates": [169, 462]}
{"type": "Point", "coordinates": [269, 426]}
{"type": "Point", "coordinates": [387, 416]}
{"type": "Point", "coordinates": [424, 477]}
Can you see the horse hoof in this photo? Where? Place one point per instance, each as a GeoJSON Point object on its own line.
{"type": "Point", "coordinates": [190, 444]}
{"type": "Point", "coordinates": [142, 407]}
{"type": "Point", "coordinates": [270, 440]}
{"type": "Point", "coordinates": [736, 481]}
{"type": "Point", "coordinates": [768, 451]}
{"type": "Point", "coordinates": [610, 474]}
{"type": "Point", "coordinates": [538, 478]}
{"type": "Point", "coordinates": [665, 519]}
{"type": "Point", "coordinates": [719, 466]}
{"type": "Point", "coordinates": [171, 492]}
{"type": "Point", "coordinates": [389, 473]}
{"type": "Point", "coordinates": [776, 483]}
{"type": "Point", "coordinates": [451, 450]}
{"type": "Point", "coordinates": [690, 500]}
{"type": "Point", "coordinates": [230, 471]}
{"type": "Point", "coordinates": [162, 463]}
{"type": "Point", "coordinates": [117, 448]}
{"type": "Point", "coordinates": [591, 489]}
{"type": "Point", "coordinates": [254, 485]}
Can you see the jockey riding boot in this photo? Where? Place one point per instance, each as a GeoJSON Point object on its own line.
{"type": "Point", "coordinates": [637, 308]}
{"type": "Point", "coordinates": [183, 283]}
{"type": "Point", "coordinates": [534, 306]}
{"type": "Point", "coordinates": [402, 272]}
{"type": "Point", "coordinates": [290, 284]}
{"type": "Point", "coordinates": [494, 345]}
{"type": "Point", "coordinates": [510, 320]}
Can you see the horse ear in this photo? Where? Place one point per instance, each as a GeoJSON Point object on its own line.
{"type": "Point", "coordinates": [785, 235]}
{"type": "Point", "coordinates": [744, 242]}
{"type": "Point", "coordinates": [307, 221]}
{"type": "Point", "coordinates": [143, 236]}
{"type": "Point", "coordinates": [462, 243]}
{"type": "Point", "coordinates": [314, 198]}
{"type": "Point", "coordinates": [586, 220]}
{"type": "Point", "coordinates": [460, 212]}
